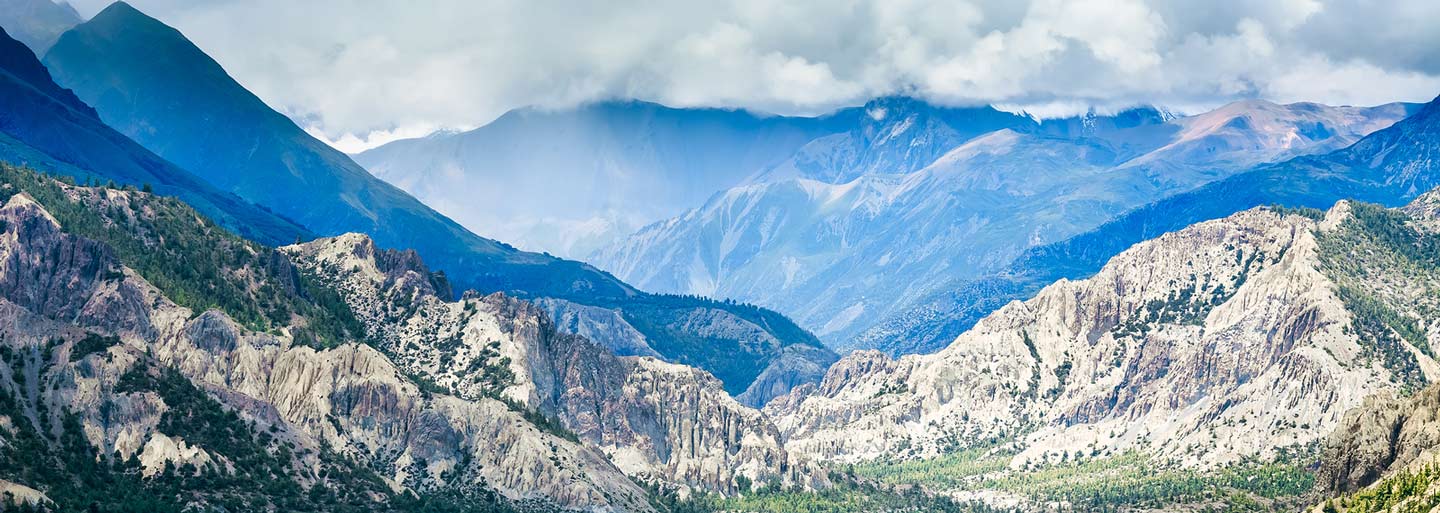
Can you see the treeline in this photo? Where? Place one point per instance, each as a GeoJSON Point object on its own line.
{"type": "Point", "coordinates": [846, 496]}
{"type": "Point", "coordinates": [1405, 492]}
{"type": "Point", "coordinates": [1120, 483]}
{"type": "Point", "coordinates": [1365, 257]}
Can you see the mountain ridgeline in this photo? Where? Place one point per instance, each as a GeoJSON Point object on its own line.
{"type": "Point", "coordinates": [865, 236]}
{"type": "Point", "coordinates": [607, 169]}
{"type": "Point", "coordinates": [249, 389]}
{"type": "Point", "coordinates": [333, 375]}
{"type": "Point", "coordinates": [1390, 167]}
{"type": "Point", "coordinates": [152, 84]}
{"type": "Point", "coordinates": [566, 181]}
{"type": "Point", "coordinates": [37, 23]}
{"type": "Point", "coordinates": [204, 308]}
{"type": "Point", "coordinates": [48, 127]}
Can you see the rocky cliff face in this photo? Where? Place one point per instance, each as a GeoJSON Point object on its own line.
{"type": "Point", "coordinates": [1228, 339]}
{"type": "Point", "coordinates": [87, 338]}
{"type": "Point", "coordinates": [1387, 436]}
{"type": "Point", "coordinates": [657, 421]}
{"type": "Point", "coordinates": [602, 326]}
{"type": "Point", "coordinates": [1425, 211]}
{"type": "Point", "coordinates": [1381, 437]}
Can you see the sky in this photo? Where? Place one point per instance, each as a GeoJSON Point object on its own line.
{"type": "Point", "coordinates": [358, 73]}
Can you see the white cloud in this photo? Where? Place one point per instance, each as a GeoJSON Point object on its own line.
{"type": "Point", "coordinates": [360, 72]}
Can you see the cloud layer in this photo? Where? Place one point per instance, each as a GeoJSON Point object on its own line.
{"type": "Point", "coordinates": [364, 71]}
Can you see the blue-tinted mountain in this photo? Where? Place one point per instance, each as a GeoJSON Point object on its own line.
{"type": "Point", "coordinates": [565, 181]}
{"type": "Point", "coordinates": [37, 23]}
{"type": "Point", "coordinates": [890, 136]}
{"type": "Point", "coordinates": [150, 82]}
{"type": "Point", "coordinates": [568, 181]}
{"type": "Point", "coordinates": [865, 225]}
{"type": "Point", "coordinates": [47, 127]}
{"type": "Point", "coordinates": [1391, 166]}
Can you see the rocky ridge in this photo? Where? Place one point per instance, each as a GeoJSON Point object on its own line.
{"type": "Point", "coordinates": [1382, 456]}
{"type": "Point", "coordinates": [1228, 339]}
{"type": "Point", "coordinates": [660, 422]}
{"type": "Point", "coordinates": [62, 292]}
{"type": "Point", "coordinates": [151, 83]}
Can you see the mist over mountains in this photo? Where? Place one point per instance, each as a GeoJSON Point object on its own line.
{"type": "Point", "coordinates": [631, 307]}
{"type": "Point", "coordinates": [836, 230]}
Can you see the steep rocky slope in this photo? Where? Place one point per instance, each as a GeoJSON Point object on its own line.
{"type": "Point", "coordinates": [1229, 339]}
{"type": "Point", "coordinates": [1384, 453]}
{"type": "Point", "coordinates": [153, 84]}
{"type": "Point", "coordinates": [661, 422]}
{"type": "Point", "coordinates": [97, 361]}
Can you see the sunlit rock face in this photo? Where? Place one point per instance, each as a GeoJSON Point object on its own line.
{"type": "Point", "coordinates": [1228, 339]}
{"type": "Point", "coordinates": [656, 420]}
{"type": "Point", "coordinates": [56, 289]}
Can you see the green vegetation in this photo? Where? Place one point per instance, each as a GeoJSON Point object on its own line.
{"type": "Point", "coordinates": [1405, 492]}
{"type": "Point", "coordinates": [1314, 214]}
{"type": "Point", "coordinates": [1130, 480]}
{"type": "Point", "coordinates": [847, 496]}
{"type": "Point", "coordinates": [1387, 272]}
{"type": "Point", "coordinates": [92, 343]}
{"type": "Point", "coordinates": [1381, 330]}
{"type": "Point", "coordinates": [1125, 482]}
{"type": "Point", "coordinates": [191, 260]}
{"type": "Point", "coordinates": [1190, 305]}
{"type": "Point", "coordinates": [959, 469]}
{"type": "Point", "coordinates": [663, 319]}
{"type": "Point", "coordinates": [1104, 484]}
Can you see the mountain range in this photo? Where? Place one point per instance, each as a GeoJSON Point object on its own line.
{"type": "Point", "coordinates": [203, 308]}
{"type": "Point", "coordinates": [813, 233]}
{"type": "Point", "coordinates": [570, 181]}
{"type": "Point", "coordinates": [872, 246]}
{"type": "Point", "coordinates": [567, 181]}
{"type": "Point", "coordinates": [1152, 369]}
{"type": "Point", "coordinates": [169, 105]}
{"type": "Point", "coordinates": [1389, 167]}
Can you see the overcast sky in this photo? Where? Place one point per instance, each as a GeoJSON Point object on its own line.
{"type": "Point", "coordinates": [360, 72]}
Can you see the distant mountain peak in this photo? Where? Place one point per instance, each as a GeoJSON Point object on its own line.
{"type": "Point", "coordinates": [121, 8]}
{"type": "Point", "coordinates": [151, 83]}
{"type": "Point", "coordinates": [37, 23]}
{"type": "Point", "coordinates": [121, 22]}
